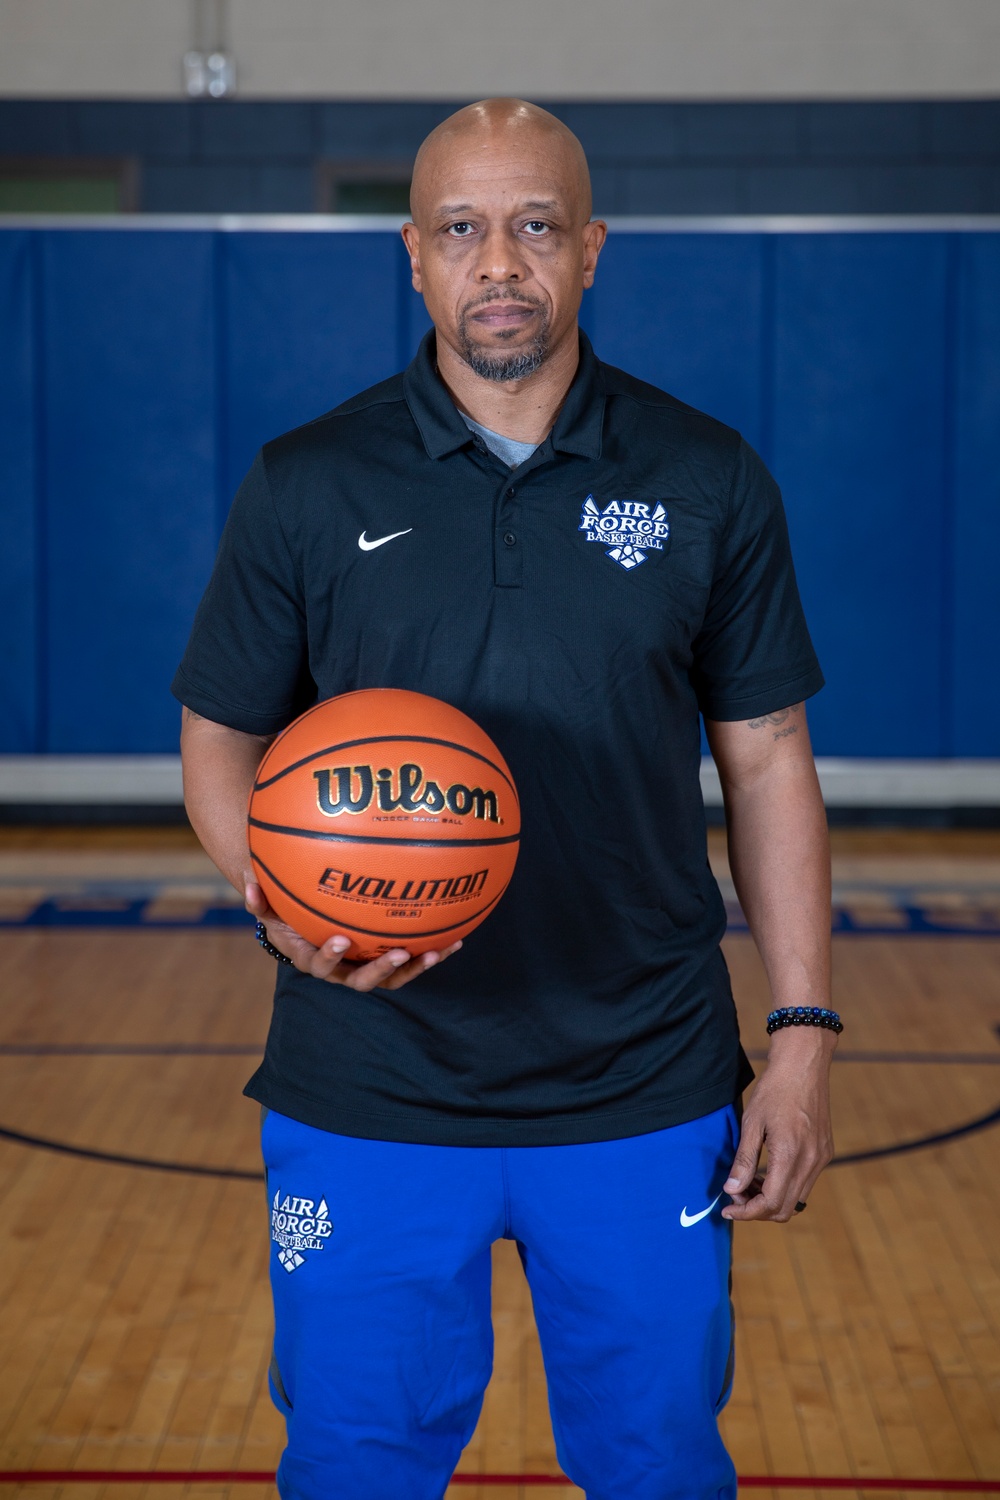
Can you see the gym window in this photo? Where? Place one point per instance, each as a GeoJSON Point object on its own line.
{"type": "Point", "coordinates": [363, 187]}
{"type": "Point", "coordinates": [68, 185]}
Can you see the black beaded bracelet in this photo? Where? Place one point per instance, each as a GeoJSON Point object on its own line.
{"type": "Point", "coordinates": [269, 948]}
{"type": "Point", "coordinates": [803, 1015]}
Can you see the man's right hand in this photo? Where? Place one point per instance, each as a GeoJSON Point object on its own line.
{"type": "Point", "coordinates": [389, 972]}
{"type": "Point", "coordinates": [219, 769]}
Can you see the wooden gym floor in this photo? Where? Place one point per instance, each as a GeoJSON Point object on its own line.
{"type": "Point", "coordinates": [134, 1316]}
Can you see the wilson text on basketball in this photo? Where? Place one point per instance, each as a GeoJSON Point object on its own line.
{"type": "Point", "coordinates": [351, 789]}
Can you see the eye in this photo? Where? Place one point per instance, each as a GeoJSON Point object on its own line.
{"type": "Point", "coordinates": [461, 230]}
{"type": "Point", "coordinates": [536, 227]}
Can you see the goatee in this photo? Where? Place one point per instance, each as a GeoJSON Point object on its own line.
{"type": "Point", "coordinates": [495, 364]}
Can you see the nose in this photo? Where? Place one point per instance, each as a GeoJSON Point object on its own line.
{"type": "Point", "coordinates": [500, 259]}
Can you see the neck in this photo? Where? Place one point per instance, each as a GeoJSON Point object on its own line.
{"type": "Point", "coordinates": [521, 409]}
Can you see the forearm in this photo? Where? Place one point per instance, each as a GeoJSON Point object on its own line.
{"type": "Point", "coordinates": [219, 769]}
{"type": "Point", "coordinates": [780, 861]}
{"type": "Point", "coordinates": [779, 850]}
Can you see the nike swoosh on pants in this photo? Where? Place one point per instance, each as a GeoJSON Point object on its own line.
{"type": "Point", "coordinates": [688, 1219]}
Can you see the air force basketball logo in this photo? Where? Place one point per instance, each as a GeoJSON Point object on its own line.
{"type": "Point", "coordinates": [627, 528]}
{"type": "Point", "coordinates": [297, 1225]}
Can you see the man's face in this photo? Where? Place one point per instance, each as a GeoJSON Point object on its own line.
{"type": "Point", "coordinates": [501, 250]}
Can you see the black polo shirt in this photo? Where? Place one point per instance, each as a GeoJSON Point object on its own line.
{"type": "Point", "coordinates": [583, 608]}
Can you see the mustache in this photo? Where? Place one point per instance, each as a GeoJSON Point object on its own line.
{"type": "Point", "coordinates": [495, 295]}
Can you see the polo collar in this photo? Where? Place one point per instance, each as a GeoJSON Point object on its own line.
{"type": "Point", "coordinates": [578, 429]}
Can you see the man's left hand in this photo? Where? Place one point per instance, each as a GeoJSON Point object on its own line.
{"type": "Point", "coordinates": [789, 1111]}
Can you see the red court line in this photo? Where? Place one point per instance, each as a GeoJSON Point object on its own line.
{"type": "Point", "coordinates": [252, 1476]}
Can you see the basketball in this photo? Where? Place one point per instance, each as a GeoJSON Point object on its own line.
{"type": "Point", "coordinates": [386, 816]}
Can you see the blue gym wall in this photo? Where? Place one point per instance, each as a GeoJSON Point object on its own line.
{"type": "Point", "coordinates": [832, 156]}
{"type": "Point", "coordinates": [142, 367]}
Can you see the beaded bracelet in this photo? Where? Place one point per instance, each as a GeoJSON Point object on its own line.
{"type": "Point", "coordinates": [803, 1015]}
{"type": "Point", "coordinates": [269, 948]}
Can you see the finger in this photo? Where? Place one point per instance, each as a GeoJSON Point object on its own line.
{"type": "Point", "coordinates": [283, 937]}
{"type": "Point", "coordinates": [800, 1182]}
{"type": "Point", "coordinates": [255, 901]}
{"type": "Point", "coordinates": [325, 961]}
{"type": "Point", "coordinates": [373, 975]}
{"type": "Point", "coordinates": [740, 1201]}
{"type": "Point", "coordinates": [806, 1187]}
{"type": "Point", "coordinates": [756, 1186]}
{"type": "Point", "coordinates": [760, 1206]}
{"type": "Point", "coordinates": [747, 1156]}
{"type": "Point", "coordinates": [419, 965]}
{"type": "Point", "coordinates": [786, 1183]}
{"type": "Point", "coordinates": [781, 1187]}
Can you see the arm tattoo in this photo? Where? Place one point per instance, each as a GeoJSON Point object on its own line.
{"type": "Point", "coordinates": [778, 721]}
{"type": "Point", "coordinates": [189, 716]}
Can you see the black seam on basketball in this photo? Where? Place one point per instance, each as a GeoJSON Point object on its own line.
{"type": "Point", "coordinates": [335, 837]}
{"type": "Point", "coordinates": [382, 739]}
{"type": "Point", "coordinates": [372, 931]}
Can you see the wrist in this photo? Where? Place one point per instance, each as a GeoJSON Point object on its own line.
{"type": "Point", "coordinates": [801, 1045]}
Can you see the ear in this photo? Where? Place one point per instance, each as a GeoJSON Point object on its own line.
{"type": "Point", "coordinates": [411, 239]}
{"type": "Point", "coordinates": [594, 235]}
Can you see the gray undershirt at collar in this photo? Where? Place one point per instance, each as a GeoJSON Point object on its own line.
{"type": "Point", "coordinates": [508, 450]}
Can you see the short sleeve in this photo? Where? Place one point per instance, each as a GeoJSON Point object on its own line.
{"type": "Point", "coordinates": [246, 659]}
{"type": "Point", "coordinates": [753, 654]}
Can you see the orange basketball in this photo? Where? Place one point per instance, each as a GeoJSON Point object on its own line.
{"type": "Point", "coordinates": [387, 816]}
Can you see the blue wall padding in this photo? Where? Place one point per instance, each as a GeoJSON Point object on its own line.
{"type": "Point", "coordinates": [19, 560]}
{"type": "Point", "coordinates": [311, 319]}
{"type": "Point", "coordinates": [860, 411]}
{"type": "Point", "coordinates": [143, 368]}
{"type": "Point", "coordinates": [686, 312]}
{"type": "Point", "coordinates": [974, 565]}
{"type": "Point", "coordinates": [130, 415]}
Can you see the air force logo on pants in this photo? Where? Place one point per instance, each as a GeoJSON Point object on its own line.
{"type": "Point", "coordinates": [296, 1225]}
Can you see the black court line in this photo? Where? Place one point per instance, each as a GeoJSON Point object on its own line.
{"type": "Point", "coordinates": [126, 1049]}
{"type": "Point", "coordinates": [961, 1059]}
{"type": "Point", "coordinates": [971, 1127]}
{"type": "Point", "coordinates": [113, 1158]}
{"type": "Point", "coordinates": [854, 1158]}
{"type": "Point", "coordinates": [212, 1049]}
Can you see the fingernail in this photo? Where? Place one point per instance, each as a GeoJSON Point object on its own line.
{"type": "Point", "coordinates": [340, 944]}
{"type": "Point", "coordinates": [430, 959]}
{"type": "Point", "coordinates": [397, 958]}
{"type": "Point", "coordinates": [729, 1185]}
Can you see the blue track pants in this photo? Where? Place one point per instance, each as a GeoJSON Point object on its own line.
{"type": "Point", "coordinates": [380, 1267]}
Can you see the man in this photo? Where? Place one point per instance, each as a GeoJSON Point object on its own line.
{"type": "Point", "coordinates": [582, 564]}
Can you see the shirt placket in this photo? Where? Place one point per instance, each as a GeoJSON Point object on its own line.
{"type": "Point", "coordinates": [508, 542]}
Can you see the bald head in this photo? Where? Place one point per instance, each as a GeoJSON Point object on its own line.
{"type": "Point", "coordinates": [502, 245]}
{"type": "Point", "coordinates": [484, 138]}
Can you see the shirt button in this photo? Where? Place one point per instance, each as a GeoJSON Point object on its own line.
{"type": "Point", "coordinates": [510, 494]}
{"type": "Point", "coordinates": [509, 539]}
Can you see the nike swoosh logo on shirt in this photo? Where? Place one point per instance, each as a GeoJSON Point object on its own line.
{"type": "Point", "coordinates": [367, 546]}
{"type": "Point", "coordinates": [688, 1219]}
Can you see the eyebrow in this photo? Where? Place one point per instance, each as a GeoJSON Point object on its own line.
{"type": "Point", "coordinates": [451, 210]}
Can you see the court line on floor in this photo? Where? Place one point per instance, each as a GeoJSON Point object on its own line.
{"type": "Point", "coordinates": [224, 1049]}
{"type": "Point", "coordinates": [260, 1476]}
{"type": "Point", "coordinates": [64, 1148]}
{"type": "Point", "coordinates": [114, 1159]}
{"type": "Point", "coordinates": [971, 1127]}
{"type": "Point", "coordinates": [132, 1049]}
